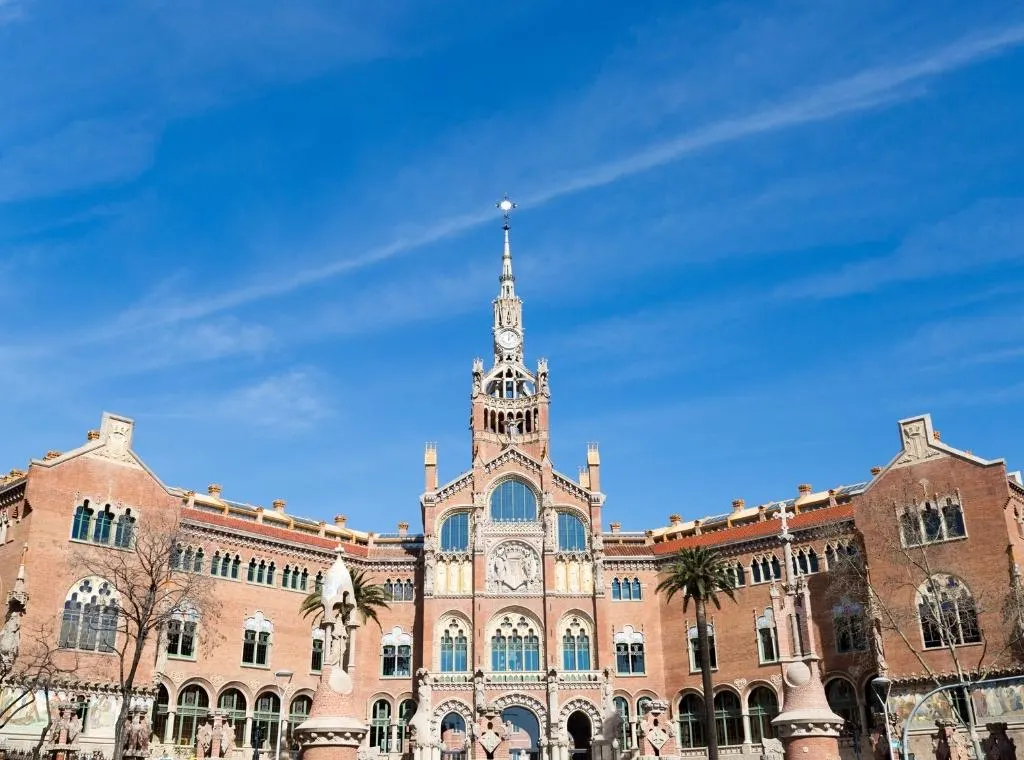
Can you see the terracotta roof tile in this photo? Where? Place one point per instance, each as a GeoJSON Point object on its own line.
{"type": "Point", "coordinates": [755, 530]}
{"type": "Point", "coordinates": [283, 534]}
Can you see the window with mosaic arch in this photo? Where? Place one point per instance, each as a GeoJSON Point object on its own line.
{"type": "Point", "coordinates": [762, 706]}
{"type": "Point", "coordinates": [298, 713]}
{"type": "Point", "coordinates": [90, 617]}
{"type": "Point", "coordinates": [575, 645]}
{"type": "Point", "coordinates": [396, 654]}
{"type": "Point", "coordinates": [266, 719]}
{"type": "Point", "coordinates": [690, 718]}
{"type": "Point", "coordinates": [728, 719]}
{"type": "Point", "coordinates": [694, 639]}
{"type": "Point", "coordinates": [947, 611]}
{"type": "Point", "coordinates": [406, 709]}
{"type": "Point", "coordinates": [767, 637]}
{"type": "Point", "coordinates": [256, 640]}
{"type": "Point", "coordinates": [629, 652]}
{"type": "Point", "coordinates": [232, 703]}
{"type": "Point", "coordinates": [515, 645]}
{"type": "Point", "coordinates": [193, 708]}
{"type": "Point", "coordinates": [842, 700]}
{"type": "Point", "coordinates": [380, 725]}
{"type": "Point", "coordinates": [454, 646]}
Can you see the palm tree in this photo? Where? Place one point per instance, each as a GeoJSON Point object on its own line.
{"type": "Point", "coordinates": [370, 598]}
{"type": "Point", "coordinates": [699, 574]}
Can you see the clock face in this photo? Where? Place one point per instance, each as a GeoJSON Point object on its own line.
{"type": "Point", "coordinates": [508, 339]}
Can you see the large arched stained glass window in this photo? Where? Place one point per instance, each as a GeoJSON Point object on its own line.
{"type": "Point", "coordinates": [572, 535]}
{"type": "Point", "coordinates": [455, 533]}
{"type": "Point", "coordinates": [513, 501]}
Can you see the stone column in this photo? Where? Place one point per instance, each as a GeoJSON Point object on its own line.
{"type": "Point", "coordinates": [392, 737]}
{"type": "Point", "coordinates": [172, 715]}
{"type": "Point", "coordinates": [747, 740]}
{"type": "Point", "coordinates": [247, 739]}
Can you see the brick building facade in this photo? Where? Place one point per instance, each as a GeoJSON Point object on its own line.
{"type": "Point", "coordinates": [514, 598]}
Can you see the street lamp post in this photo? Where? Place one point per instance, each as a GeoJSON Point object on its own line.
{"type": "Point", "coordinates": [882, 685]}
{"type": "Point", "coordinates": [280, 676]}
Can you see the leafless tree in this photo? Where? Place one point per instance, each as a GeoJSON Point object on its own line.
{"type": "Point", "coordinates": [917, 597]}
{"type": "Point", "coordinates": [38, 666]}
{"type": "Point", "coordinates": [153, 590]}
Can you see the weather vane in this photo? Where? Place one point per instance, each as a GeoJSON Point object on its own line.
{"type": "Point", "coordinates": [506, 205]}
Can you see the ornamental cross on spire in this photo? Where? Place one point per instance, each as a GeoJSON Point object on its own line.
{"type": "Point", "coordinates": [783, 516]}
{"type": "Point", "coordinates": [506, 205]}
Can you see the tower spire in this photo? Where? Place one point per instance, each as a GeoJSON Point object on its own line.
{"type": "Point", "coordinates": [507, 279]}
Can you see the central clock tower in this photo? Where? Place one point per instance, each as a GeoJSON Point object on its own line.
{"type": "Point", "coordinates": [509, 402]}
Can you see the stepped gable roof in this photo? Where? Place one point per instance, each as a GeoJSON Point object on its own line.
{"type": "Point", "coordinates": [751, 531]}
{"type": "Point", "coordinates": [270, 531]}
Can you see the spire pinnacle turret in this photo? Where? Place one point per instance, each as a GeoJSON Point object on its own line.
{"type": "Point", "coordinates": [507, 279]}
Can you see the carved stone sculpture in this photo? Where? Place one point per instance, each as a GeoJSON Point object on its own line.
{"type": "Point", "coordinates": [10, 640]}
{"type": "Point", "coordinates": [136, 734]}
{"type": "Point", "coordinates": [950, 745]}
{"type": "Point", "coordinates": [478, 691]}
{"type": "Point", "coordinates": [773, 749]}
{"type": "Point", "coordinates": [998, 746]}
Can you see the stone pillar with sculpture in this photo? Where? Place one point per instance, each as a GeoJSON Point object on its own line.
{"type": "Point", "coordinates": [654, 732]}
{"type": "Point", "coordinates": [214, 738]}
{"type": "Point", "coordinates": [62, 740]}
{"type": "Point", "coordinates": [332, 731]}
{"type": "Point", "coordinates": [806, 726]}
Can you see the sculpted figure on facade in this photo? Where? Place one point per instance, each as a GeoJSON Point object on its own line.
{"type": "Point", "coordinates": [773, 749]}
{"type": "Point", "coordinates": [479, 699]}
{"type": "Point", "coordinates": [420, 725]}
{"type": "Point", "coordinates": [137, 733]}
{"type": "Point", "coordinates": [998, 746]}
{"type": "Point", "coordinates": [950, 744]}
{"type": "Point", "coordinates": [10, 640]}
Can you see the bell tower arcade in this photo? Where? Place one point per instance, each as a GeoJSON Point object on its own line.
{"type": "Point", "coordinates": [509, 402]}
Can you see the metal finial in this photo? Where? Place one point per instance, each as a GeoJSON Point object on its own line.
{"type": "Point", "coordinates": [506, 205]}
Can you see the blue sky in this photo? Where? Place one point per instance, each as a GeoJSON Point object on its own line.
{"type": "Point", "coordinates": [751, 237]}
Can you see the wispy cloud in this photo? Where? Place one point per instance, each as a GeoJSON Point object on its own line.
{"type": "Point", "coordinates": [987, 234]}
{"type": "Point", "coordinates": [868, 89]}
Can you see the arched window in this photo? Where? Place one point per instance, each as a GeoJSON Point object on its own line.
{"type": "Point", "coordinates": [695, 661]}
{"type": "Point", "coordinates": [848, 625]}
{"type": "Point", "coordinates": [616, 588]}
{"type": "Point", "coordinates": [286, 577]}
{"type": "Point", "coordinates": [396, 654]}
{"type": "Point", "coordinates": [572, 535]}
{"type": "Point", "coordinates": [232, 703]}
{"type": "Point", "coordinates": [575, 646]}
{"type": "Point", "coordinates": [626, 589]}
{"type": "Point", "coordinates": [643, 706]}
{"type": "Point", "coordinates": [193, 707]}
{"type": "Point", "coordinates": [266, 719]}
{"type": "Point", "coordinates": [406, 710]}
{"type": "Point", "coordinates": [101, 530]}
{"type": "Point", "coordinates": [380, 725]}
{"type": "Point", "coordinates": [625, 735]}
{"type": "Point", "coordinates": [298, 713]}
{"type": "Point", "coordinates": [83, 518]}
{"type": "Point", "coordinates": [515, 646]}
{"type": "Point", "coordinates": [842, 700]}
{"type": "Point", "coordinates": [455, 533]}
{"type": "Point", "coordinates": [764, 706]}
{"type": "Point", "coordinates": [125, 529]}
{"type": "Point", "coordinates": [629, 651]}
{"type": "Point", "coordinates": [805, 561]}
{"type": "Point", "coordinates": [181, 635]}
{"type": "Point", "coordinates": [767, 637]}
{"type": "Point", "coordinates": [635, 590]}
{"type": "Point", "coordinates": [513, 501]}
{"type": "Point", "coordinates": [453, 735]}
{"type": "Point", "coordinates": [318, 583]}
{"type": "Point", "coordinates": [947, 612]}
{"type": "Point", "coordinates": [316, 658]}
{"type": "Point", "coordinates": [454, 648]}
{"type": "Point", "coordinates": [728, 719]}
{"type": "Point", "coordinates": [691, 722]}
{"type": "Point", "coordinates": [737, 575]}
{"type": "Point", "coordinates": [90, 617]}
{"type": "Point", "coordinates": [256, 640]}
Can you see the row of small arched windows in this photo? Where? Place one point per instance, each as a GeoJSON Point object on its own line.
{"type": "Point", "coordinates": [499, 422]}
{"type": "Point", "coordinates": [103, 527]}
{"type": "Point", "coordinates": [228, 565]}
{"type": "Point", "coordinates": [399, 591]}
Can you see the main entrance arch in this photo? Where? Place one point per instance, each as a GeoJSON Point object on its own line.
{"type": "Point", "coordinates": [581, 732]}
{"type": "Point", "coordinates": [524, 733]}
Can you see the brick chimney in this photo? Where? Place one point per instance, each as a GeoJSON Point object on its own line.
{"type": "Point", "coordinates": [674, 519]}
{"type": "Point", "coordinates": [738, 505]}
{"type": "Point", "coordinates": [340, 521]}
{"type": "Point", "coordinates": [616, 527]}
{"type": "Point", "coordinates": [403, 529]}
{"type": "Point", "coordinates": [804, 489]}
{"type": "Point", "coordinates": [875, 470]}
{"type": "Point", "coordinates": [92, 435]}
{"type": "Point", "coordinates": [214, 489]}
{"type": "Point", "coordinates": [279, 505]}
{"type": "Point", "coordinates": [52, 454]}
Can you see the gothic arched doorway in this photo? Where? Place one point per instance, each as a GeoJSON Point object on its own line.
{"type": "Point", "coordinates": [524, 733]}
{"type": "Point", "coordinates": [580, 733]}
